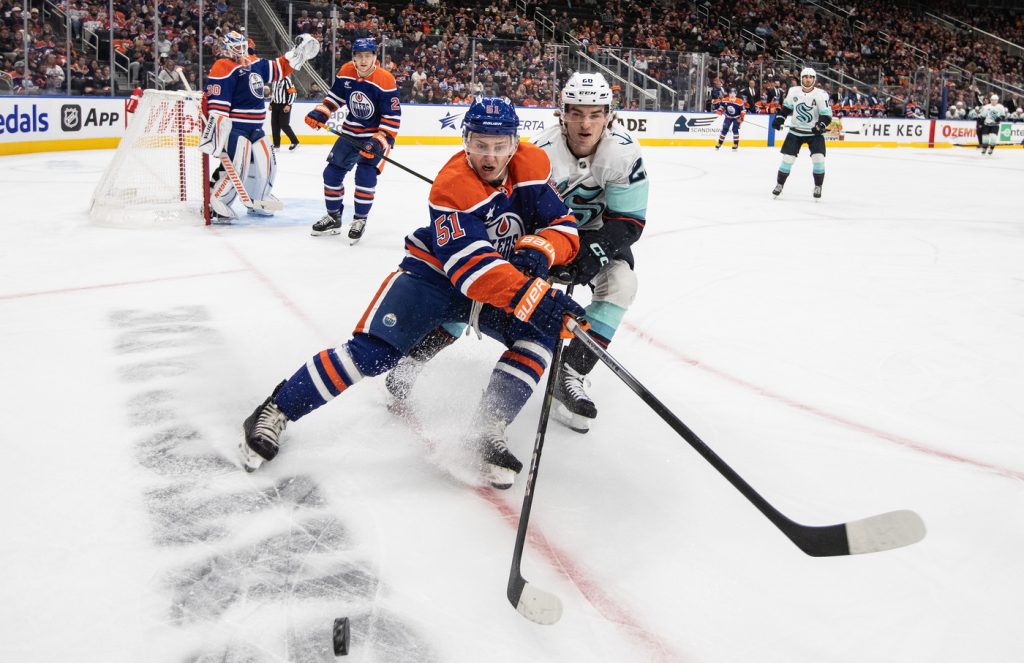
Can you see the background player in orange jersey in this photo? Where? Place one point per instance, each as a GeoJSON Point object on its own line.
{"type": "Point", "coordinates": [370, 95]}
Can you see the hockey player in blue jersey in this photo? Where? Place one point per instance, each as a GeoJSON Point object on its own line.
{"type": "Point", "coordinates": [374, 115]}
{"type": "Point", "coordinates": [733, 109]}
{"type": "Point", "coordinates": [495, 228]}
{"type": "Point", "coordinates": [237, 109]}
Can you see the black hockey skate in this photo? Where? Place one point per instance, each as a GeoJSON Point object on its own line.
{"type": "Point", "coordinates": [498, 466]}
{"type": "Point", "coordinates": [817, 192]}
{"type": "Point", "coordinates": [262, 431]}
{"type": "Point", "coordinates": [777, 190]}
{"type": "Point", "coordinates": [328, 225]}
{"type": "Point", "coordinates": [402, 377]}
{"type": "Point", "coordinates": [573, 407]}
{"type": "Point", "coordinates": [355, 231]}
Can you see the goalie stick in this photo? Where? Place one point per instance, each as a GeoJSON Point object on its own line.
{"type": "Point", "coordinates": [885, 531]}
{"type": "Point", "coordinates": [537, 605]}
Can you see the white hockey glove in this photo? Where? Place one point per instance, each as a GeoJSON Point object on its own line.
{"type": "Point", "coordinates": [306, 47]}
{"type": "Point", "coordinates": [215, 134]}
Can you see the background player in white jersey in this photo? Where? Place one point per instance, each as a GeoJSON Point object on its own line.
{"type": "Point", "coordinates": [599, 173]}
{"type": "Point", "coordinates": [990, 115]}
{"type": "Point", "coordinates": [811, 111]}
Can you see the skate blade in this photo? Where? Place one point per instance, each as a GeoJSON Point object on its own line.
{"type": "Point", "coordinates": [317, 233]}
{"type": "Point", "coordinates": [498, 477]}
{"type": "Point", "coordinates": [575, 422]}
{"type": "Point", "coordinates": [251, 460]}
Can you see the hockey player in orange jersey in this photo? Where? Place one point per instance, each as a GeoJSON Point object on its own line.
{"type": "Point", "coordinates": [237, 109]}
{"type": "Point", "coordinates": [495, 227]}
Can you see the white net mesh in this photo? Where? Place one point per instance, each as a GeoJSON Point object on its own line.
{"type": "Point", "coordinates": [158, 174]}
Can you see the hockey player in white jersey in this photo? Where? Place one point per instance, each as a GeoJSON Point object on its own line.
{"type": "Point", "coordinates": [990, 115]}
{"type": "Point", "coordinates": [598, 170]}
{"type": "Point", "coordinates": [811, 112]}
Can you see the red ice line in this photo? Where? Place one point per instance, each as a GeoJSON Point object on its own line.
{"type": "Point", "coordinates": [828, 416]}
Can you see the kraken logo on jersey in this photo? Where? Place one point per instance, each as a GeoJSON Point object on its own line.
{"type": "Point", "coordinates": [505, 231]}
{"type": "Point", "coordinates": [360, 106]}
{"type": "Point", "coordinates": [804, 113]}
{"type": "Point", "coordinates": [582, 200]}
{"type": "Point", "coordinates": [256, 84]}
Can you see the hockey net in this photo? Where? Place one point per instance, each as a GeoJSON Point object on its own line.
{"type": "Point", "coordinates": [157, 175]}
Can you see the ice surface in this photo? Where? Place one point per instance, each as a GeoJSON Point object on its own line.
{"type": "Point", "coordinates": [847, 357]}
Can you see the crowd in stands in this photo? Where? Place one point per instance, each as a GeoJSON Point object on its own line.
{"type": "Point", "coordinates": [887, 57]}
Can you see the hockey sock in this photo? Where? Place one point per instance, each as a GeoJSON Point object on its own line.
{"type": "Point", "coordinates": [818, 168]}
{"type": "Point", "coordinates": [334, 189]}
{"type": "Point", "coordinates": [721, 139]}
{"type": "Point", "coordinates": [366, 183]}
{"type": "Point", "coordinates": [332, 371]}
{"type": "Point", "coordinates": [604, 318]}
{"type": "Point", "coordinates": [782, 176]}
{"type": "Point", "coordinates": [514, 378]}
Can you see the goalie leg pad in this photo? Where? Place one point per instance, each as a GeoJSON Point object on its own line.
{"type": "Point", "coordinates": [264, 170]}
{"type": "Point", "coordinates": [239, 151]}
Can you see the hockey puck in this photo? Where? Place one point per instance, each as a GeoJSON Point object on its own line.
{"type": "Point", "coordinates": [341, 636]}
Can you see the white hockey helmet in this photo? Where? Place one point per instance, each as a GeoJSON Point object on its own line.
{"type": "Point", "coordinates": [586, 90]}
{"type": "Point", "coordinates": [994, 98]}
{"type": "Point", "coordinates": [808, 71]}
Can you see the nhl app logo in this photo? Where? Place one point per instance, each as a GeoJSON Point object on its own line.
{"type": "Point", "coordinates": [70, 117]}
{"type": "Point", "coordinates": [360, 105]}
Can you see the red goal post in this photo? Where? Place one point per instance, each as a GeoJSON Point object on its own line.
{"type": "Point", "coordinates": [157, 175]}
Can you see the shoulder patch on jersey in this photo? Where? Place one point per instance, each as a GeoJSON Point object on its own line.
{"type": "Point", "coordinates": [222, 68]}
{"type": "Point", "coordinates": [529, 164]}
{"type": "Point", "coordinates": [457, 187]}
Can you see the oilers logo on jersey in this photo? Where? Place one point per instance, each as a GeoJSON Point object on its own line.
{"type": "Point", "coordinates": [256, 84]}
{"type": "Point", "coordinates": [504, 232]}
{"type": "Point", "coordinates": [360, 106]}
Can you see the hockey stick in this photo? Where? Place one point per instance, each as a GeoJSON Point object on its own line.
{"type": "Point", "coordinates": [269, 205]}
{"type": "Point", "coordinates": [362, 146]}
{"type": "Point", "coordinates": [885, 531]}
{"type": "Point", "coordinates": [530, 601]}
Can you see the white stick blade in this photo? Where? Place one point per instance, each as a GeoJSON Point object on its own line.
{"type": "Point", "coordinates": [269, 205]}
{"type": "Point", "coordinates": [884, 532]}
{"type": "Point", "coordinates": [539, 606]}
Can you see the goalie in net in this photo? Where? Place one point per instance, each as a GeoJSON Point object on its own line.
{"type": "Point", "coordinates": [234, 130]}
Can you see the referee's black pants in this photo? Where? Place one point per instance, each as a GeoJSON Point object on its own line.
{"type": "Point", "coordinates": [279, 119]}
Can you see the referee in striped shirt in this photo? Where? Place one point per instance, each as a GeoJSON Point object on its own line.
{"type": "Point", "coordinates": [280, 111]}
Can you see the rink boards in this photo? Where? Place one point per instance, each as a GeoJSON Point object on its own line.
{"type": "Point", "coordinates": [40, 124]}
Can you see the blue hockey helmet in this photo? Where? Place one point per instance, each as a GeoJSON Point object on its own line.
{"type": "Point", "coordinates": [495, 116]}
{"type": "Point", "coordinates": [364, 45]}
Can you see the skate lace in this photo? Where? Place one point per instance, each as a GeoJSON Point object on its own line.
{"type": "Point", "coordinates": [495, 436]}
{"type": "Point", "coordinates": [270, 423]}
{"type": "Point", "coordinates": [358, 224]}
{"type": "Point", "coordinates": [325, 222]}
{"type": "Point", "coordinates": [575, 384]}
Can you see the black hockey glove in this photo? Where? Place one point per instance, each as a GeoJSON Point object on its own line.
{"type": "Point", "coordinates": [544, 307]}
{"type": "Point", "coordinates": [589, 261]}
{"type": "Point", "coordinates": [533, 256]}
{"type": "Point", "coordinates": [820, 127]}
{"type": "Point", "coordinates": [778, 122]}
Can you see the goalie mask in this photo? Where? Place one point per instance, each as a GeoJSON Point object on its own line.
{"type": "Point", "coordinates": [235, 45]}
